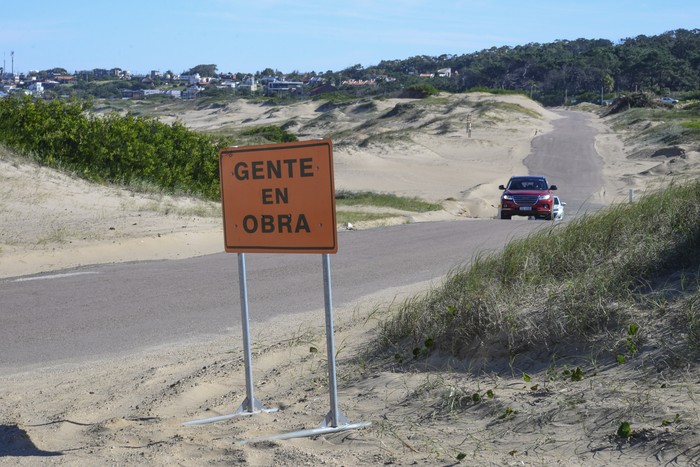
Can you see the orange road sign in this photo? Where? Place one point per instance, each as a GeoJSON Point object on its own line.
{"type": "Point", "coordinates": [279, 198]}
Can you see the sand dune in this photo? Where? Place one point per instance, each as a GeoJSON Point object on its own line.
{"type": "Point", "coordinates": [130, 409]}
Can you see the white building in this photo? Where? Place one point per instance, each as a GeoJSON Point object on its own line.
{"type": "Point", "coordinates": [36, 88]}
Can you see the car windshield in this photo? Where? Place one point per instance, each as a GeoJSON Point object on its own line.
{"type": "Point", "coordinates": [527, 184]}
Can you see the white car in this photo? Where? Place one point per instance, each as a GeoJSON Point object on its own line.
{"type": "Point", "coordinates": [558, 209]}
{"type": "Point", "coordinates": [669, 100]}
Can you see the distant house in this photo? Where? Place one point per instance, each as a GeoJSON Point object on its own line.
{"type": "Point", "coordinates": [66, 79]}
{"type": "Point", "coordinates": [100, 73]}
{"type": "Point", "coordinates": [36, 88]}
{"type": "Point", "coordinates": [191, 91]}
{"type": "Point", "coordinates": [227, 83]}
{"type": "Point", "coordinates": [277, 87]}
{"type": "Point", "coordinates": [359, 82]}
{"type": "Point", "coordinates": [143, 93]}
{"type": "Point", "coordinates": [249, 83]}
{"type": "Point", "coordinates": [49, 83]}
{"type": "Point", "coordinates": [315, 81]}
{"type": "Point", "coordinates": [191, 79]}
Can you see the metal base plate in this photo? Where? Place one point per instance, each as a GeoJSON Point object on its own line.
{"type": "Point", "coordinates": [244, 409]}
{"type": "Point", "coordinates": [306, 433]}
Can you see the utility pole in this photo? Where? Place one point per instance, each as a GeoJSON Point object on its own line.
{"type": "Point", "coordinates": [12, 55]}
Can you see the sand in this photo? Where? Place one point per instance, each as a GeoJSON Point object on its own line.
{"type": "Point", "coordinates": [130, 409]}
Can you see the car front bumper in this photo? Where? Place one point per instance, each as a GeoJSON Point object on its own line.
{"type": "Point", "coordinates": [538, 210]}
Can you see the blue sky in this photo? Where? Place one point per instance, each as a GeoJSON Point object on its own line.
{"type": "Point", "coordinates": [305, 35]}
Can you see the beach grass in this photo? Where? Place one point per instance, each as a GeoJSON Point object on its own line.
{"type": "Point", "coordinates": [604, 280]}
{"type": "Point", "coordinates": [387, 200]}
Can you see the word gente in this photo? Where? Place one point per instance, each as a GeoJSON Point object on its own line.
{"type": "Point", "coordinates": [273, 169]}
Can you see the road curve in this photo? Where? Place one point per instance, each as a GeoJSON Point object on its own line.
{"type": "Point", "coordinates": [106, 309]}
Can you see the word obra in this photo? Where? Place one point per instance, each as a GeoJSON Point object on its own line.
{"type": "Point", "coordinates": [281, 223]}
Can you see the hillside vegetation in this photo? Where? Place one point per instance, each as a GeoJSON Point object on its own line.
{"type": "Point", "coordinates": [586, 335]}
{"type": "Point", "coordinates": [589, 282]}
{"type": "Point", "coordinates": [567, 71]}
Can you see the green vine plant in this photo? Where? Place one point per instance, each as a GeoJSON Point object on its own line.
{"type": "Point", "coordinates": [624, 431]}
{"type": "Point", "coordinates": [630, 343]}
{"type": "Point", "coordinates": [553, 374]}
{"type": "Point", "coordinates": [428, 345]}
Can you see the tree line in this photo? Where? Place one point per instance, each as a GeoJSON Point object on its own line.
{"type": "Point", "coordinates": [553, 73]}
{"type": "Point", "coordinates": [564, 70]}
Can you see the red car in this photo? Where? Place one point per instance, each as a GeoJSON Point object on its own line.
{"type": "Point", "coordinates": [529, 196]}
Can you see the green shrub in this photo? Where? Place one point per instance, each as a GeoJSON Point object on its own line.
{"type": "Point", "coordinates": [419, 91]}
{"type": "Point", "coordinates": [114, 148]}
{"type": "Point", "coordinates": [272, 133]}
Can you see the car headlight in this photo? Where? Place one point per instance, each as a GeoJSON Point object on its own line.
{"type": "Point", "coordinates": [507, 198]}
{"type": "Point", "coordinates": [544, 197]}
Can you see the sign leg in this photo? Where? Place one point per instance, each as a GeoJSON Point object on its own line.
{"type": "Point", "coordinates": [247, 356]}
{"type": "Point", "coordinates": [335, 421]}
{"type": "Point", "coordinates": [250, 405]}
{"type": "Point", "coordinates": [334, 417]}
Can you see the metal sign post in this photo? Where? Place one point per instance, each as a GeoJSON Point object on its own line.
{"type": "Point", "coordinates": [250, 405]}
{"type": "Point", "coordinates": [334, 417]}
{"type": "Point", "coordinates": [335, 421]}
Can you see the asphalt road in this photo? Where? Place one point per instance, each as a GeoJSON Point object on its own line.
{"type": "Point", "coordinates": [568, 158]}
{"type": "Point", "coordinates": [101, 310]}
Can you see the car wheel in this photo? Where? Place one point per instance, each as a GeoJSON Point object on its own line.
{"type": "Point", "coordinates": [505, 216]}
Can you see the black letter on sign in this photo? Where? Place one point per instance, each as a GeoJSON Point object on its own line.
{"type": "Point", "coordinates": [267, 196]}
{"type": "Point", "coordinates": [302, 224]}
{"type": "Point", "coordinates": [268, 223]}
{"type": "Point", "coordinates": [306, 168]}
{"type": "Point", "coordinates": [281, 195]}
{"type": "Point", "coordinates": [250, 224]}
{"type": "Point", "coordinates": [240, 171]}
{"type": "Point", "coordinates": [285, 221]}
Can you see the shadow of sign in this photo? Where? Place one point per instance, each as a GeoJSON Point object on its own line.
{"type": "Point", "coordinates": [14, 441]}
